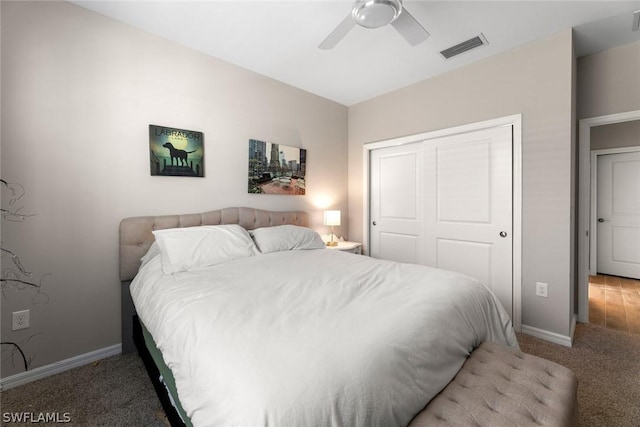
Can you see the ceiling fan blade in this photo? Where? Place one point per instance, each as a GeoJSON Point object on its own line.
{"type": "Point", "coordinates": [410, 28]}
{"type": "Point", "coordinates": [338, 33]}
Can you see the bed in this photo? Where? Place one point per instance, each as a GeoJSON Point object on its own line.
{"type": "Point", "coordinates": [263, 326]}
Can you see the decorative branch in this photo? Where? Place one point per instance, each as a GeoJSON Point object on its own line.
{"type": "Point", "coordinates": [16, 189]}
{"type": "Point", "coordinates": [17, 347]}
{"type": "Point", "coordinates": [18, 276]}
{"type": "Point", "coordinates": [19, 281]}
{"type": "Point", "coordinates": [16, 261]}
{"type": "Point", "coordinates": [10, 277]}
{"type": "Point", "coordinates": [17, 192]}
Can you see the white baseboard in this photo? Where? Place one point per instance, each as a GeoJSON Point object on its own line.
{"type": "Point", "coordinates": [553, 337]}
{"type": "Point", "coordinates": [57, 367]}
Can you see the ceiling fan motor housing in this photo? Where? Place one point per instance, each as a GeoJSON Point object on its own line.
{"type": "Point", "coordinates": [376, 13]}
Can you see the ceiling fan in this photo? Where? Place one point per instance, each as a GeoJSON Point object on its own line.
{"type": "Point", "coordinates": [376, 14]}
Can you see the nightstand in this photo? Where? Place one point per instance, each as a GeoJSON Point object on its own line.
{"type": "Point", "coordinates": [352, 247]}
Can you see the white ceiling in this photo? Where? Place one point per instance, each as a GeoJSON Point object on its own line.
{"type": "Point", "coordinates": [279, 39]}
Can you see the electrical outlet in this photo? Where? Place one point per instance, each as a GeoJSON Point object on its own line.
{"type": "Point", "coordinates": [20, 320]}
{"type": "Point", "coordinates": [541, 289]}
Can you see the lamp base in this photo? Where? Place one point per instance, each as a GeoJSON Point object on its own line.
{"type": "Point", "coordinates": [332, 243]}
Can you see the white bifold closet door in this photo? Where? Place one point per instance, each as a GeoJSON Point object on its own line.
{"type": "Point", "coordinates": [447, 203]}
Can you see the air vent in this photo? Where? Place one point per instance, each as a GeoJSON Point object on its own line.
{"type": "Point", "coordinates": [464, 46]}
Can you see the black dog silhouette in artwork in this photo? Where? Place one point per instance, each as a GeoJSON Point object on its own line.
{"type": "Point", "coordinates": [179, 155]}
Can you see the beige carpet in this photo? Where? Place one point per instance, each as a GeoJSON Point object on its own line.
{"type": "Point", "coordinates": [607, 364]}
{"type": "Point", "coordinates": [117, 392]}
{"type": "Point", "coordinates": [112, 392]}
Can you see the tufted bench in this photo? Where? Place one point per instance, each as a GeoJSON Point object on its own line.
{"type": "Point", "coordinates": [501, 386]}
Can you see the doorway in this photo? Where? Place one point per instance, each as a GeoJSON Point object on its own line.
{"type": "Point", "coordinates": [586, 220]}
{"type": "Point", "coordinates": [408, 225]}
{"type": "Point", "coordinates": [613, 303]}
{"type": "Point", "coordinates": [615, 212]}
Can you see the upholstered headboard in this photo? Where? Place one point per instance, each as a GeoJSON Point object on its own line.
{"type": "Point", "coordinates": [136, 233]}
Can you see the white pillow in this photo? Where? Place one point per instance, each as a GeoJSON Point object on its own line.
{"type": "Point", "coordinates": [185, 249]}
{"type": "Point", "coordinates": [154, 250]}
{"type": "Point", "coordinates": [286, 238]}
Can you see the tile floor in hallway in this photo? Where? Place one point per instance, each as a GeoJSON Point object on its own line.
{"type": "Point", "coordinates": [614, 302]}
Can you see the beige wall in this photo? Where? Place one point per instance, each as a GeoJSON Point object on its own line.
{"type": "Point", "coordinates": [625, 134]}
{"type": "Point", "coordinates": [78, 93]}
{"type": "Point", "coordinates": [535, 80]}
{"type": "Point", "coordinates": [608, 82]}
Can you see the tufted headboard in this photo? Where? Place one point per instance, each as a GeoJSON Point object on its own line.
{"type": "Point", "coordinates": [136, 233]}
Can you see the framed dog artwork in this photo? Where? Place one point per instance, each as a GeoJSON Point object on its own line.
{"type": "Point", "coordinates": [176, 152]}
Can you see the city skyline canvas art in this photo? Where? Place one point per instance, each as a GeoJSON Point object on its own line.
{"type": "Point", "coordinates": [276, 168]}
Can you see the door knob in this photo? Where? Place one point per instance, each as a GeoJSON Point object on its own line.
{"type": "Point", "coordinates": [503, 234]}
{"type": "Point", "coordinates": [374, 223]}
{"type": "Point", "coordinates": [601, 220]}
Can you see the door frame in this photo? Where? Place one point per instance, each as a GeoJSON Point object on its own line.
{"type": "Point", "coordinates": [584, 202]}
{"type": "Point", "coordinates": [513, 120]}
{"type": "Point", "coordinates": [593, 226]}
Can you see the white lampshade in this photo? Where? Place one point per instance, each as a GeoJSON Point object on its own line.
{"type": "Point", "coordinates": [331, 217]}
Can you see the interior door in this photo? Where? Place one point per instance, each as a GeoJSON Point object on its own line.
{"type": "Point", "coordinates": [469, 207]}
{"type": "Point", "coordinates": [396, 204]}
{"type": "Point", "coordinates": [618, 199]}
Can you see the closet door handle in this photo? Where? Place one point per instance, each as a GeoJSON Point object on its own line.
{"type": "Point", "coordinates": [374, 223]}
{"type": "Point", "coordinates": [503, 234]}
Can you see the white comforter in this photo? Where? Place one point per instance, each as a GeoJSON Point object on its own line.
{"type": "Point", "coordinates": [315, 337]}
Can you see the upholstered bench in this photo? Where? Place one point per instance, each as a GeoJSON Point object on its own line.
{"type": "Point", "coordinates": [500, 386]}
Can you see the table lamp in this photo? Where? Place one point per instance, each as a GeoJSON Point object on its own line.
{"type": "Point", "coordinates": [332, 218]}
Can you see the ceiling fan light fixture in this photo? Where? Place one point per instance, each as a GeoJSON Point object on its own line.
{"type": "Point", "coordinates": [376, 13]}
